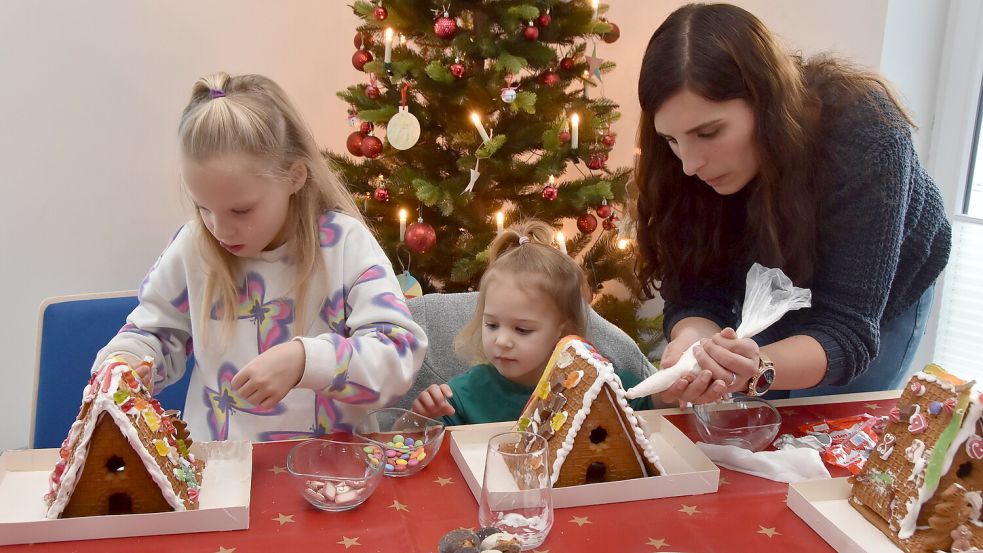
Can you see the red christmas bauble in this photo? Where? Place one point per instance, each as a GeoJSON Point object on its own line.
{"type": "Point", "coordinates": [596, 162]}
{"type": "Point", "coordinates": [420, 237]}
{"type": "Point", "coordinates": [603, 211]}
{"type": "Point", "coordinates": [544, 19]}
{"type": "Point", "coordinates": [612, 35]}
{"type": "Point", "coordinates": [381, 194]}
{"type": "Point", "coordinates": [587, 223]}
{"type": "Point", "coordinates": [362, 38]}
{"type": "Point", "coordinates": [366, 127]}
{"type": "Point", "coordinates": [445, 27]}
{"type": "Point", "coordinates": [372, 91]}
{"type": "Point", "coordinates": [567, 64]}
{"type": "Point", "coordinates": [549, 193]}
{"type": "Point", "coordinates": [610, 223]}
{"type": "Point", "coordinates": [360, 58]}
{"type": "Point", "coordinates": [531, 33]}
{"type": "Point", "coordinates": [354, 143]}
{"type": "Point", "coordinates": [564, 137]}
{"type": "Point", "coordinates": [550, 78]}
{"type": "Point", "coordinates": [608, 139]}
{"type": "Point", "coordinates": [371, 147]}
{"type": "Point", "coordinates": [457, 69]}
{"type": "Point", "coordinates": [380, 13]}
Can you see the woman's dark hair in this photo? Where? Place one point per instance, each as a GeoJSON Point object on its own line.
{"type": "Point", "coordinates": [687, 233]}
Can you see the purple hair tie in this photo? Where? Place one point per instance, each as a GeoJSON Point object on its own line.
{"type": "Point", "coordinates": [523, 240]}
{"type": "Point", "coordinates": [216, 94]}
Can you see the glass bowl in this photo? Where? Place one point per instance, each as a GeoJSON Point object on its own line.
{"type": "Point", "coordinates": [334, 475]}
{"type": "Point", "coordinates": [748, 422]}
{"type": "Point", "coordinates": [405, 441]}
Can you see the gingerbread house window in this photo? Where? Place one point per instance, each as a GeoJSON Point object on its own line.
{"type": "Point", "coordinates": [964, 469]}
{"type": "Point", "coordinates": [598, 435]}
{"type": "Point", "coordinates": [595, 472]}
{"type": "Point", "coordinates": [120, 504]}
{"type": "Point", "coordinates": [115, 464]}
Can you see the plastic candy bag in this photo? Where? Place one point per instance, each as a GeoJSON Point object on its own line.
{"type": "Point", "coordinates": [768, 297]}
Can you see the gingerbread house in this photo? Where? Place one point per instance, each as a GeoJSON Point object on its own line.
{"type": "Point", "coordinates": [124, 454]}
{"type": "Point", "coordinates": [579, 407]}
{"type": "Point", "coordinates": [921, 486]}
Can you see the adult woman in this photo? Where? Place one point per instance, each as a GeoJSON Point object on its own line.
{"type": "Point", "coordinates": [751, 154]}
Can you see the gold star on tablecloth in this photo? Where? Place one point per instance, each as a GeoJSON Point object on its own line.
{"type": "Point", "coordinates": [443, 481]}
{"type": "Point", "coordinates": [277, 470]}
{"type": "Point", "coordinates": [770, 532]}
{"type": "Point", "coordinates": [724, 481]}
{"type": "Point", "coordinates": [872, 406]}
{"type": "Point", "coordinates": [399, 506]}
{"type": "Point", "coordinates": [657, 543]}
{"type": "Point", "coordinates": [789, 412]}
{"type": "Point", "coordinates": [690, 509]}
{"type": "Point", "coordinates": [224, 550]}
{"type": "Point", "coordinates": [348, 542]}
{"type": "Point", "coordinates": [538, 551]}
{"type": "Point", "coordinates": [283, 519]}
{"type": "Point", "coordinates": [580, 521]}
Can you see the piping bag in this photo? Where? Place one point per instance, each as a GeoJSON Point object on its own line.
{"type": "Point", "coordinates": [768, 297]}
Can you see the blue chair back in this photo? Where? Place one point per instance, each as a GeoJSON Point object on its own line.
{"type": "Point", "coordinates": [71, 330]}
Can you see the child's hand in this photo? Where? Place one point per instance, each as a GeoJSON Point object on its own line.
{"type": "Point", "coordinates": [432, 402]}
{"type": "Point", "coordinates": [144, 371]}
{"type": "Point", "coordinates": [264, 381]}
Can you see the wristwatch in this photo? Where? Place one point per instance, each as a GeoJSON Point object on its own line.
{"type": "Point", "coordinates": [762, 380]}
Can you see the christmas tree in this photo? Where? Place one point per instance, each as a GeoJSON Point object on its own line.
{"type": "Point", "coordinates": [491, 113]}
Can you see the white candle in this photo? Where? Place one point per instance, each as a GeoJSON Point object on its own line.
{"type": "Point", "coordinates": [402, 224]}
{"type": "Point", "coordinates": [402, 39]}
{"type": "Point", "coordinates": [575, 131]}
{"type": "Point", "coordinates": [480, 127]}
{"type": "Point", "coordinates": [622, 243]}
{"type": "Point", "coordinates": [562, 242]}
{"type": "Point", "coordinates": [388, 57]}
{"type": "Point", "coordinates": [552, 181]}
{"type": "Point", "coordinates": [594, 4]}
{"type": "Point", "coordinates": [500, 221]}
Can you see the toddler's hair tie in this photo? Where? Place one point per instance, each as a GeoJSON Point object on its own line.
{"type": "Point", "coordinates": [523, 240]}
{"type": "Point", "coordinates": [216, 94]}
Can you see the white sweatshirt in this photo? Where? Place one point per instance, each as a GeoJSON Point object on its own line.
{"type": "Point", "coordinates": [362, 347]}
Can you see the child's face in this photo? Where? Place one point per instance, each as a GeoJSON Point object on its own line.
{"type": "Point", "coordinates": [520, 329]}
{"type": "Point", "coordinates": [244, 209]}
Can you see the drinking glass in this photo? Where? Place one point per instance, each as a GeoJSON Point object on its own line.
{"type": "Point", "coordinates": [515, 492]}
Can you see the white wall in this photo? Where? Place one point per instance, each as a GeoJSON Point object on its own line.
{"type": "Point", "coordinates": [93, 92]}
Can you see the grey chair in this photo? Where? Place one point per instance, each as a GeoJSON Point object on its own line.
{"type": "Point", "coordinates": [443, 315]}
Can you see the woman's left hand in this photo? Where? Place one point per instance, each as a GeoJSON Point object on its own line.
{"type": "Point", "coordinates": [726, 362]}
{"type": "Point", "coordinates": [265, 380]}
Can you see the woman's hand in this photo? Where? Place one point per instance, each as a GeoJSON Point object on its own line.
{"type": "Point", "coordinates": [433, 403]}
{"type": "Point", "coordinates": [726, 363]}
{"type": "Point", "coordinates": [265, 380]}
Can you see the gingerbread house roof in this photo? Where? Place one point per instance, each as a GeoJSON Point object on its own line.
{"type": "Point", "coordinates": [121, 421]}
{"type": "Point", "coordinates": [931, 441]}
{"type": "Point", "coordinates": [577, 385]}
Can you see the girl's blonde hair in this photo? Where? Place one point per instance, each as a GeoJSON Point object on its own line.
{"type": "Point", "coordinates": [251, 115]}
{"type": "Point", "coordinates": [525, 250]}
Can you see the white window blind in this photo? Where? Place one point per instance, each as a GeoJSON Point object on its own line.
{"type": "Point", "coordinates": [959, 342]}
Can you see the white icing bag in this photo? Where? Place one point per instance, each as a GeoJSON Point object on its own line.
{"type": "Point", "coordinates": [768, 297]}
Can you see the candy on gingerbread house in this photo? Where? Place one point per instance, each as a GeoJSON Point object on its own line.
{"type": "Point", "coordinates": [124, 454]}
{"type": "Point", "coordinates": [921, 486]}
{"type": "Point", "coordinates": [579, 406]}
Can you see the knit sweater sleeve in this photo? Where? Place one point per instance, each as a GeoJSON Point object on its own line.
{"type": "Point", "coordinates": [871, 163]}
{"type": "Point", "coordinates": [711, 303]}
{"type": "Point", "coordinates": [160, 326]}
{"type": "Point", "coordinates": [380, 349]}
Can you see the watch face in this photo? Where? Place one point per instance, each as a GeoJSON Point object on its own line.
{"type": "Point", "coordinates": [763, 381]}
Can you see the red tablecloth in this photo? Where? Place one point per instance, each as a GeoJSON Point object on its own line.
{"type": "Point", "coordinates": [409, 515]}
